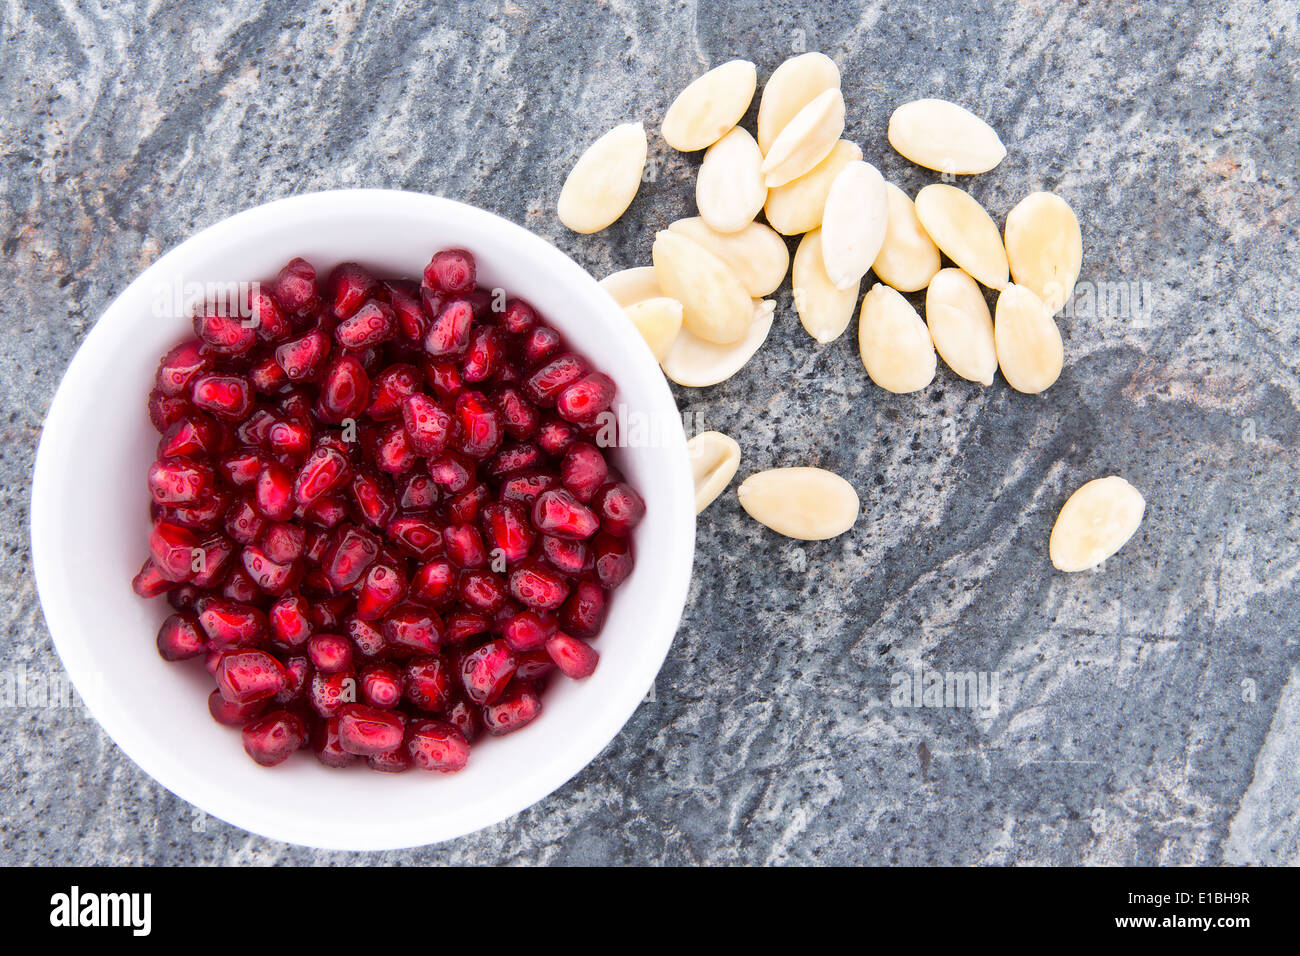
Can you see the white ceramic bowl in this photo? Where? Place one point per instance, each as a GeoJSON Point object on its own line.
{"type": "Point", "coordinates": [90, 526]}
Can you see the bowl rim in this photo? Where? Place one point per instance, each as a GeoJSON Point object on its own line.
{"type": "Point", "coordinates": [72, 647]}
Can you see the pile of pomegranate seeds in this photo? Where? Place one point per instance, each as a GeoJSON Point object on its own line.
{"type": "Point", "coordinates": [381, 514]}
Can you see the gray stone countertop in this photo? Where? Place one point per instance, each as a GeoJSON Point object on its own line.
{"type": "Point", "coordinates": [1146, 714]}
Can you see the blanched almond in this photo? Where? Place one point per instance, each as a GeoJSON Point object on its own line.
{"type": "Point", "coordinates": [798, 205]}
{"type": "Point", "coordinates": [1095, 522]}
{"type": "Point", "coordinates": [894, 343]}
{"type": "Point", "coordinates": [715, 305]}
{"type": "Point", "coordinates": [908, 257]}
{"type": "Point", "coordinates": [792, 86]}
{"type": "Point", "coordinates": [729, 189]}
{"type": "Point", "coordinates": [964, 232]}
{"type": "Point", "coordinates": [714, 460]}
{"type": "Point", "coordinates": [707, 109]}
{"type": "Point", "coordinates": [806, 139]}
{"type": "Point", "coordinates": [1030, 352]}
{"type": "Point", "coordinates": [630, 286]}
{"type": "Point", "coordinates": [853, 225]}
{"type": "Point", "coordinates": [941, 135]}
{"type": "Point", "coordinates": [756, 254]}
{"type": "Point", "coordinates": [960, 325]}
{"type": "Point", "coordinates": [824, 310]}
{"type": "Point", "coordinates": [604, 180]}
{"type": "Point", "coordinates": [810, 504]}
{"type": "Point", "coordinates": [659, 320]}
{"type": "Point", "coordinates": [1045, 247]}
{"type": "Point", "coordinates": [697, 364]}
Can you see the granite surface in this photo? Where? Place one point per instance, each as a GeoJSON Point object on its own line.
{"type": "Point", "coordinates": [1147, 713]}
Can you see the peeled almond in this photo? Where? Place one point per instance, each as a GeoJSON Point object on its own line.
{"type": "Point", "coordinates": [810, 504]}
{"type": "Point", "coordinates": [960, 325]}
{"type": "Point", "coordinates": [797, 206]}
{"type": "Point", "coordinates": [806, 139]}
{"type": "Point", "coordinates": [659, 320]}
{"type": "Point", "coordinates": [894, 343]}
{"type": "Point", "coordinates": [792, 86]}
{"type": "Point", "coordinates": [714, 460]}
{"type": "Point", "coordinates": [1030, 352]}
{"type": "Point", "coordinates": [604, 181]}
{"type": "Point", "coordinates": [941, 135]}
{"type": "Point", "coordinates": [630, 286]}
{"type": "Point", "coordinates": [853, 225]}
{"type": "Point", "coordinates": [824, 310]}
{"type": "Point", "coordinates": [1045, 247]}
{"type": "Point", "coordinates": [908, 258]}
{"type": "Point", "coordinates": [964, 232]}
{"type": "Point", "coordinates": [696, 363]}
{"type": "Point", "coordinates": [707, 109]}
{"type": "Point", "coordinates": [756, 254]}
{"type": "Point", "coordinates": [729, 189]}
{"type": "Point", "coordinates": [1094, 523]}
{"type": "Point", "coordinates": [715, 305]}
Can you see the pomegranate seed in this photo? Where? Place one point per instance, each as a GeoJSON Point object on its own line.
{"type": "Point", "coordinates": [485, 672]}
{"type": "Point", "coordinates": [529, 630]}
{"type": "Point", "coordinates": [345, 389]}
{"type": "Point", "coordinates": [381, 686]}
{"type": "Point", "coordinates": [295, 287]}
{"type": "Point", "coordinates": [366, 731]}
{"type": "Point", "coordinates": [330, 653]}
{"type": "Point", "coordinates": [525, 488]}
{"type": "Point", "coordinates": [484, 355]}
{"type": "Point", "coordinates": [268, 318]}
{"type": "Point", "coordinates": [213, 558]}
{"type": "Point", "coordinates": [348, 556]}
{"type": "Point", "coordinates": [172, 549]}
{"type": "Point", "coordinates": [240, 587]}
{"type": "Point", "coordinates": [415, 536]}
{"type": "Point", "coordinates": [248, 675]}
{"type": "Point", "coordinates": [303, 358]}
{"type": "Point", "coordinates": [352, 286]}
{"type": "Point", "coordinates": [575, 659]}
{"type": "Point", "coordinates": [427, 424]}
{"type": "Point", "coordinates": [390, 389]}
{"type": "Point", "coordinates": [584, 614]}
{"type": "Point", "coordinates": [273, 492]}
{"type": "Point", "coordinates": [517, 708]}
{"type": "Point", "coordinates": [177, 368]}
{"type": "Point", "coordinates": [434, 584]}
{"type": "Point", "coordinates": [329, 693]}
{"type": "Point", "coordinates": [166, 409]}
{"type": "Point", "coordinates": [413, 628]}
{"type": "Point", "coordinates": [418, 493]}
{"type": "Point", "coordinates": [241, 468]}
{"type": "Point", "coordinates": [325, 744]}
{"type": "Point", "coordinates": [451, 271]}
{"type": "Point", "coordinates": [283, 542]}
{"type": "Point", "coordinates": [149, 582]}
{"type": "Point", "coordinates": [270, 576]}
{"type": "Point", "coordinates": [256, 427]}
{"type": "Point", "coordinates": [566, 556]}
{"type": "Point", "coordinates": [620, 508]}
{"type": "Point", "coordinates": [538, 587]}
{"type": "Point", "coordinates": [229, 397]}
{"type": "Point", "coordinates": [464, 716]}
{"type": "Point", "coordinates": [426, 683]}
{"type": "Point", "coordinates": [395, 761]}
{"type": "Point", "coordinates": [586, 398]}
{"type": "Point", "coordinates": [267, 376]}
{"type": "Point", "coordinates": [373, 324]}
{"type": "Point", "coordinates": [519, 316]}
{"type": "Point", "coordinates": [272, 739]}
{"type": "Point", "coordinates": [519, 417]}
{"type": "Point", "coordinates": [196, 436]}
{"type": "Point", "coordinates": [180, 638]}
{"type": "Point", "coordinates": [369, 640]}
{"type": "Point", "coordinates": [557, 512]}
{"type": "Point", "coordinates": [179, 481]}
{"type": "Point", "coordinates": [449, 332]}
{"type": "Point", "coordinates": [517, 456]}
{"type": "Point", "coordinates": [437, 746]}
{"type": "Point", "coordinates": [324, 470]}
{"type": "Point", "coordinates": [583, 470]}
{"type": "Point", "coordinates": [383, 587]}
{"type": "Point", "coordinates": [463, 624]}
{"type": "Point", "coordinates": [393, 452]}
{"type": "Point", "coordinates": [613, 559]}
{"type": "Point", "coordinates": [226, 334]}
{"type": "Point", "coordinates": [233, 715]}
{"type": "Point", "coordinates": [534, 665]}
{"type": "Point", "coordinates": [297, 673]}
{"type": "Point", "coordinates": [289, 621]}
{"type": "Point", "coordinates": [480, 425]}
{"type": "Point", "coordinates": [452, 471]}
{"type": "Point", "coordinates": [464, 508]}
{"type": "Point", "coordinates": [554, 437]}
{"type": "Point", "coordinates": [547, 382]}
{"type": "Point", "coordinates": [507, 530]}
{"type": "Point", "coordinates": [412, 323]}
{"type": "Point", "coordinates": [444, 378]}
{"type": "Point", "coordinates": [482, 590]}
{"type": "Point", "coordinates": [464, 546]}
{"type": "Point", "coordinates": [373, 496]}
{"type": "Point", "coordinates": [540, 343]}
{"type": "Point", "coordinates": [328, 512]}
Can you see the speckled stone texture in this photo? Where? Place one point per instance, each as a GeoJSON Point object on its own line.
{"type": "Point", "coordinates": [1147, 713]}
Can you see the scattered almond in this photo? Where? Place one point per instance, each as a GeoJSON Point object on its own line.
{"type": "Point", "coordinates": [604, 180]}
{"type": "Point", "coordinates": [824, 310]}
{"type": "Point", "coordinates": [756, 254]}
{"type": "Point", "coordinates": [1045, 247]}
{"type": "Point", "coordinates": [908, 258]}
{"type": "Point", "coordinates": [964, 232]}
{"type": "Point", "coordinates": [853, 225]}
{"type": "Point", "coordinates": [659, 320]}
{"type": "Point", "coordinates": [714, 460]}
{"type": "Point", "coordinates": [894, 343]}
{"type": "Point", "coordinates": [1030, 352]}
{"type": "Point", "coordinates": [710, 106]}
{"type": "Point", "coordinates": [806, 139]}
{"type": "Point", "coordinates": [810, 504]}
{"type": "Point", "coordinates": [797, 206]}
{"type": "Point", "coordinates": [960, 325]}
{"type": "Point", "coordinates": [695, 363]}
{"type": "Point", "coordinates": [631, 286]}
{"type": "Point", "coordinates": [715, 306]}
{"type": "Point", "coordinates": [941, 135]}
{"type": "Point", "coordinates": [1095, 522]}
{"type": "Point", "coordinates": [729, 189]}
{"type": "Point", "coordinates": [792, 86]}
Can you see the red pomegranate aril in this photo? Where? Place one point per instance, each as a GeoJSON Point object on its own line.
{"type": "Point", "coordinates": [393, 451]}
{"type": "Point", "coordinates": [256, 427]}
{"type": "Point", "coordinates": [517, 708]}
{"type": "Point", "coordinates": [395, 761]}
{"type": "Point", "coordinates": [297, 674]}
{"type": "Point", "coordinates": [415, 536]}
{"type": "Point", "coordinates": [557, 512]}
{"type": "Point", "coordinates": [180, 638]}
{"type": "Point", "coordinates": [177, 368]}
{"type": "Point", "coordinates": [418, 493]}
{"type": "Point", "coordinates": [348, 556]}
{"type": "Point", "coordinates": [486, 671]}
{"type": "Point", "coordinates": [453, 472]}
{"type": "Point", "coordinates": [567, 556]}
{"type": "Point", "coordinates": [373, 324]}
{"type": "Point", "coordinates": [266, 316]}
{"type": "Point", "coordinates": [328, 693]}
{"type": "Point", "coordinates": [519, 316]}
{"type": "Point", "coordinates": [240, 587]}
{"type": "Point", "coordinates": [164, 410]}
{"type": "Point", "coordinates": [389, 389]}
{"type": "Point", "coordinates": [583, 470]}
{"type": "Point", "coordinates": [464, 508]}
{"type": "Point", "coordinates": [325, 744]}
{"type": "Point", "coordinates": [434, 584]}
{"type": "Point", "coordinates": [555, 436]}
{"type": "Point", "coordinates": [451, 271]}
{"type": "Point", "coordinates": [179, 481]}
{"type": "Point", "coordinates": [382, 589]}
{"type": "Point", "coordinates": [583, 614]}
{"type": "Point", "coordinates": [412, 322]}
{"type": "Point", "coordinates": [352, 285]}
{"type": "Point", "coordinates": [212, 558]}
{"type": "Point", "coordinates": [480, 425]}
{"type": "Point", "coordinates": [576, 659]}
{"type": "Point", "coordinates": [204, 516]}
{"type": "Point", "coordinates": [228, 397]}
{"type": "Point", "coordinates": [191, 437]}
{"type": "Point", "coordinates": [507, 530]}
{"type": "Point", "coordinates": [464, 546]}
{"type": "Point", "coordinates": [620, 508]}
{"type": "Point", "coordinates": [484, 354]}
{"type": "Point", "coordinates": [449, 333]}
{"type": "Point", "coordinates": [525, 488]}
{"type": "Point", "coordinates": [241, 468]}
{"type": "Point", "coordinates": [538, 587]}
{"type": "Point", "coordinates": [273, 492]}
{"type": "Point", "coordinates": [289, 620]}
{"type": "Point", "coordinates": [273, 577]}
{"type": "Point", "coordinates": [303, 358]}
{"type": "Point", "coordinates": [437, 746]}
{"type": "Point", "coordinates": [427, 424]}
{"type": "Point", "coordinates": [226, 334]}
{"type": "Point", "coordinates": [482, 590]}
{"type": "Point", "coordinates": [381, 686]}
{"type": "Point", "coordinates": [534, 665]}
{"type": "Point", "coordinates": [540, 343]}
{"type": "Point", "coordinates": [345, 390]}
{"type": "Point", "coordinates": [586, 398]}
{"type": "Point", "coordinates": [328, 512]}
{"type": "Point", "coordinates": [324, 470]}
{"type": "Point", "coordinates": [543, 385]}
{"type": "Point", "coordinates": [231, 714]}
{"type": "Point", "coordinates": [367, 731]}
{"type": "Point", "coordinates": [613, 556]}
{"type": "Point", "coordinates": [426, 683]}
{"type": "Point", "coordinates": [149, 582]}
{"type": "Point", "coordinates": [283, 542]}
{"type": "Point", "coordinates": [294, 287]}
{"type": "Point", "coordinates": [463, 624]}
{"type": "Point", "coordinates": [373, 496]}
{"type": "Point", "coordinates": [330, 653]}
{"type": "Point", "coordinates": [464, 716]}
{"type": "Point", "coordinates": [519, 417]}
{"type": "Point", "coordinates": [413, 628]}
{"type": "Point", "coordinates": [266, 375]}
{"type": "Point", "coordinates": [517, 456]}
{"type": "Point", "coordinates": [248, 675]}
{"type": "Point", "coordinates": [529, 631]}
{"type": "Point", "coordinates": [243, 522]}
{"type": "Point", "coordinates": [367, 638]}
{"type": "Point", "coordinates": [272, 739]}
{"type": "Point", "coordinates": [443, 376]}
{"type": "Point", "coordinates": [172, 547]}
